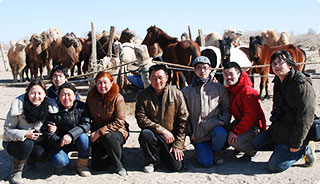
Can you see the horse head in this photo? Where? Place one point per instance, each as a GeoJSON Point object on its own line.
{"type": "Point", "coordinates": [152, 36]}
{"type": "Point", "coordinates": [255, 48]}
{"type": "Point", "coordinates": [126, 35]}
{"type": "Point", "coordinates": [225, 47]}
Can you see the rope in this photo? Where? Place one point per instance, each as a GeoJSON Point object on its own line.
{"type": "Point", "coordinates": [90, 73]}
{"type": "Point", "coordinates": [176, 67]}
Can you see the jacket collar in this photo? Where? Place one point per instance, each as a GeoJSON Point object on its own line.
{"type": "Point", "coordinates": [243, 81]}
{"type": "Point", "coordinates": [17, 106]}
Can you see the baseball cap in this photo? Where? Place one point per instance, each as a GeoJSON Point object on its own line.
{"type": "Point", "coordinates": [201, 59]}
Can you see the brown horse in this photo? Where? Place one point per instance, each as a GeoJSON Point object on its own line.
{"type": "Point", "coordinates": [262, 53]}
{"type": "Point", "coordinates": [174, 51]}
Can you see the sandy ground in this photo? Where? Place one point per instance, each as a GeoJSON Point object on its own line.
{"type": "Point", "coordinates": [231, 172]}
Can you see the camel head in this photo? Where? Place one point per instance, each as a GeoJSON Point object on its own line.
{"type": "Point", "coordinates": [36, 39]}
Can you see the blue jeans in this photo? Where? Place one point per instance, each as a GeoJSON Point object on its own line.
{"type": "Point", "coordinates": [60, 157]}
{"type": "Point", "coordinates": [204, 150]}
{"type": "Point", "coordinates": [282, 158]}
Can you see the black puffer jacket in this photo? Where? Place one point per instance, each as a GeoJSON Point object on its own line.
{"type": "Point", "coordinates": [295, 97]}
{"type": "Point", "coordinates": [74, 122]}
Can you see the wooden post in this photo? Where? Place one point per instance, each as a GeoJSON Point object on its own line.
{"type": "Point", "coordinates": [3, 57]}
{"type": "Point", "coordinates": [93, 57]}
{"type": "Point", "coordinates": [110, 41]}
{"type": "Point", "coordinates": [144, 62]}
{"type": "Point", "coordinates": [190, 35]}
{"type": "Point", "coordinates": [202, 42]}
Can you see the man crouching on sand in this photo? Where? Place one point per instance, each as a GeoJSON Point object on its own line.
{"type": "Point", "coordinates": [161, 113]}
{"type": "Point", "coordinates": [208, 104]}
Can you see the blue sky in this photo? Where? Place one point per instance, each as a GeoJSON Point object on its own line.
{"type": "Point", "coordinates": [21, 18]}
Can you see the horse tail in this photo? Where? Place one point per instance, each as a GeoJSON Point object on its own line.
{"type": "Point", "coordinates": [305, 59]}
{"type": "Point", "coordinates": [194, 51]}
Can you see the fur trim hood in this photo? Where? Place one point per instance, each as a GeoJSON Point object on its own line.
{"type": "Point", "coordinates": [111, 94]}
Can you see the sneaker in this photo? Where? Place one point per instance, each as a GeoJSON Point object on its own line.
{"type": "Point", "coordinates": [310, 156]}
{"type": "Point", "coordinates": [122, 172]}
{"type": "Point", "coordinates": [148, 168]}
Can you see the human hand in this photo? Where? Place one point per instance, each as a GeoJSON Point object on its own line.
{"type": "Point", "coordinates": [168, 136]}
{"type": "Point", "coordinates": [66, 139]}
{"type": "Point", "coordinates": [178, 154]}
{"type": "Point", "coordinates": [94, 136]}
{"type": "Point", "coordinates": [32, 135]}
{"type": "Point", "coordinates": [192, 137]}
{"type": "Point", "coordinates": [294, 149]}
{"type": "Point", "coordinates": [232, 138]}
{"type": "Point", "coordinates": [52, 128]}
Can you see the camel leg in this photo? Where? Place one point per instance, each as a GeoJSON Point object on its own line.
{"type": "Point", "coordinates": [79, 68]}
{"type": "Point", "coordinates": [14, 74]}
{"type": "Point", "coordinates": [41, 71]}
{"type": "Point", "coordinates": [72, 70]}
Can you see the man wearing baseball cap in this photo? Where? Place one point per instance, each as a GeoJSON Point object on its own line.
{"type": "Point", "coordinates": [208, 105]}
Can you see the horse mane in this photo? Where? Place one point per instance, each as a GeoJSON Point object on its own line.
{"type": "Point", "coordinates": [164, 34]}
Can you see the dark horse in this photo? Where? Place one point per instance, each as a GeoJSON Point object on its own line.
{"type": "Point", "coordinates": [174, 51]}
{"type": "Point", "coordinates": [262, 53]}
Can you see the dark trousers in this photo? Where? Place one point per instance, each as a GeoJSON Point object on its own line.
{"type": "Point", "coordinates": [107, 151]}
{"type": "Point", "coordinates": [23, 150]}
{"type": "Point", "coordinates": [153, 145]}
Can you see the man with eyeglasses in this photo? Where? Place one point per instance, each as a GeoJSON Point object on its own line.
{"type": "Point", "coordinates": [208, 105]}
{"type": "Point", "coordinates": [162, 114]}
{"type": "Point", "coordinates": [248, 115]}
{"type": "Point", "coordinates": [58, 76]}
{"type": "Point", "coordinates": [292, 116]}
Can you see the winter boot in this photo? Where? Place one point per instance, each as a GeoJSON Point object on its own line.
{"type": "Point", "coordinates": [16, 176]}
{"type": "Point", "coordinates": [218, 158]}
{"type": "Point", "coordinates": [83, 169]}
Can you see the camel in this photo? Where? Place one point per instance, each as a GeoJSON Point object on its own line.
{"type": "Point", "coordinates": [270, 38]}
{"type": "Point", "coordinates": [17, 60]}
{"type": "Point", "coordinates": [67, 50]}
{"type": "Point", "coordinates": [235, 35]}
{"type": "Point", "coordinates": [34, 56]}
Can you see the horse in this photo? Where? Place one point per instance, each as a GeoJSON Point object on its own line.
{"type": "Point", "coordinates": [261, 53]}
{"type": "Point", "coordinates": [174, 51]}
{"type": "Point", "coordinates": [230, 53]}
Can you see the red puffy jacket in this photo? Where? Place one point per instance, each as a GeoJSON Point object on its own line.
{"type": "Point", "coordinates": [245, 106]}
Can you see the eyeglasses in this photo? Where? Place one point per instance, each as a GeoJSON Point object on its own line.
{"type": "Point", "coordinates": [203, 68]}
{"type": "Point", "coordinates": [279, 63]}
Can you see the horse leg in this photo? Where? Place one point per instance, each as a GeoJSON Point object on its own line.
{"type": "Point", "coordinates": [266, 87]}
{"type": "Point", "coordinates": [177, 80]}
{"type": "Point", "coordinates": [262, 86]}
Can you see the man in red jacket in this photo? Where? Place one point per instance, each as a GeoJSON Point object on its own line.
{"type": "Point", "coordinates": [246, 110]}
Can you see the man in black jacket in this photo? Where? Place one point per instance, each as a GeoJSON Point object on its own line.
{"type": "Point", "coordinates": [292, 116]}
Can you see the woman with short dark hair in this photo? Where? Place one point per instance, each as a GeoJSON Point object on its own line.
{"type": "Point", "coordinates": [67, 130]}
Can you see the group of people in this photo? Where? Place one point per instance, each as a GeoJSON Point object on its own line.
{"type": "Point", "coordinates": [44, 124]}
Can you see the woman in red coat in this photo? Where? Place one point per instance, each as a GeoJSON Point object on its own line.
{"type": "Point", "coordinates": [245, 108]}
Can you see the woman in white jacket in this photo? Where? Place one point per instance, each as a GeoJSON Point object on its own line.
{"type": "Point", "coordinates": [22, 137]}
